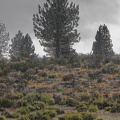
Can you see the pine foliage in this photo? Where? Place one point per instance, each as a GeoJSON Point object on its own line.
{"type": "Point", "coordinates": [55, 27]}
{"type": "Point", "coordinates": [21, 47]}
{"type": "Point", "coordinates": [103, 44]}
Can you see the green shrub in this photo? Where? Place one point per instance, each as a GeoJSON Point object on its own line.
{"type": "Point", "coordinates": [15, 115]}
{"type": "Point", "coordinates": [29, 74]}
{"type": "Point", "coordinates": [6, 103]}
{"type": "Point", "coordinates": [51, 113]}
{"type": "Point", "coordinates": [22, 110]}
{"type": "Point", "coordinates": [118, 100]}
{"type": "Point", "coordinates": [56, 108]}
{"type": "Point", "coordinates": [21, 103]}
{"type": "Point", "coordinates": [17, 96]}
{"type": "Point", "coordinates": [57, 99]}
{"type": "Point", "coordinates": [99, 119]}
{"type": "Point", "coordinates": [101, 103]}
{"type": "Point", "coordinates": [19, 66]}
{"type": "Point", "coordinates": [50, 67]}
{"type": "Point", "coordinates": [87, 116]}
{"type": "Point", "coordinates": [2, 117]}
{"type": "Point", "coordinates": [93, 108]}
{"type": "Point", "coordinates": [32, 116]}
{"type": "Point", "coordinates": [85, 97]}
{"type": "Point", "coordinates": [71, 102]}
{"type": "Point", "coordinates": [47, 98]}
{"type": "Point", "coordinates": [115, 108]}
{"type": "Point", "coordinates": [77, 116]}
{"type": "Point", "coordinates": [31, 97]}
{"type": "Point", "coordinates": [46, 114]}
{"type": "Point", "coordinates": [110, 68]}
{"type": "Point", "coordinates": [39, 105]}
{"type": "Point", "coordinates": [24, 117]}
{"type": "Point", "coordinates": [71, 116]}
{"type": "Point", "coordinates": [31, 108]}
{"type": "Point", "coordinates": [82, 108]}
{"type": "Point", "coordinates": [107, 108]}
{"type": "Point", "coordinates": [52, 75]}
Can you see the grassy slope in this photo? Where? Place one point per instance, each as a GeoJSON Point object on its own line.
{"type": "Point", "coordinates": [64, 81]}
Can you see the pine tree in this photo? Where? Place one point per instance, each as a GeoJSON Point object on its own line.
{"type": "Point", "coordinates": [55, 27]}
{"type": "Point", "coordinates": [28, 48]}
{"type": "Point", "coordinates": [103, 44]}
{"type": "Point", "coordinates": [21, 47]}
{"type": "Point", "coordinates": [4, 41]}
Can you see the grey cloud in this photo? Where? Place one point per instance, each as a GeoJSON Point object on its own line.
{"type": "Point", "coordinates": [99, 10]}
{"type": "Point", "coordinates": [17, 14]}
{"type": "Point", "coordinates": [96, 12]}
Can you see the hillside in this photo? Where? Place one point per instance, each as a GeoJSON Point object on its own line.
{"type": "Point", "coordinates": [43, 90]}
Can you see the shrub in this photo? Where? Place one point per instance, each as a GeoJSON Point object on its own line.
{"type": "Point", "coordinates": [2, 117]}
{"type": "Point", "coordinates": [19, 66]}
{"type": "Point", "coordinates": [57, 109]}
{"type": "Point", "coordinates": [101, 103]}
{"type": "Point", "coordinates": [68, 77]}
{"type": "Point", "coordinates": [6, 103]}
{"type": "Point", "coordinates": [18, 96]}
{"type": "Point", "coordinates": [31, 108]}
{"type": "Point", "coordinates": [82, 108]}
{"type": "Point", "coordinates": [21, 103]}
{"type": "Point", "coordinates": [115, 108]}
{"type": "Point", "coordinates": [50, 67]}
{"type": "Point", "coordinates": [15, 115]}
{"type": "Point", "coordinates": [51, 113]}
{"type": "Point", "coordinates": [71, 102]}
{"type": "Point", "coordinates": [44, 117]}
{"type": "Point", "coordinates": [77, 116]}
{"type": "Point", "coordinates": [31, 97]}
{"type": "Point", "coordinates": [6, 114]}
{"type": "Point", "coordinates": [93, 108]}
{"type": "Point", "coordinates": [58, 99]}
{"type": "Point", "coordinates": [71, 116]}
{"type": "Point", "coordinates": [39, 105]}
{"type": "Point", "coordinates": [45, 114]}
{"type": "Point", "coordinates": [110, 68]}
{"type": "Point", "coordinates": [107, 108]}
{"type": "Point", "coordinates": [118, 100]}
{"type": "Point", "coordinates": [43, 74]}
{"type": "Point", "coordinates": [22, 110]}
{"type": "Point", "coordinates": [32, 116]}
{"type": "Point", "coordinates": [47, 98]}
{"type": "Point", "coordinates": [85, 97]}
{"type": "Point", "coordinates": [99, 119]}
{"type": "Point", "coordinates": [95, 75]}
{"type": "Point", "coordinates": [87, 116]}
{"type": "Point", "coordinates": [52, 75]}
{"type": "Point", "coordinates": [29, 74]}
{"type": "Point", "coordinates": [24, 117]}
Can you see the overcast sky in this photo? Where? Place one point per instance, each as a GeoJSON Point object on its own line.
{"type": "Point", "coordinates": [18, 14]}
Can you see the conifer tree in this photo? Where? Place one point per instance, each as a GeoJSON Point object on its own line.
{"type": "Point", "coordinates": [4, 41]}
{"type": "Point", "coordinates": [21, 47]}
{"type": "Point", "coordinates": [55, 27]}
{"type": "Point", "coordinates": [28, 48]}
{"type": "Point", "coordinates": [103, 44]}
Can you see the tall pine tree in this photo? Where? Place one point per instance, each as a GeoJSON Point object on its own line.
{"type": "Point", "coordinates": [55, 27]}
{"type": "Point", "coordinates": [4, 41]}
{"type": "Point", "coordinates": [103, 44]}
{"type": "Point", "coordinates": [21, 47]}
{"type": "Point", "coordinates": [28, 48]}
